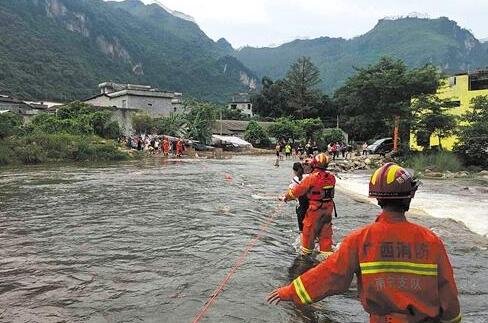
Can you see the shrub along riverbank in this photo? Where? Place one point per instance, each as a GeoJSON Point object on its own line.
{"type": "Point", "coordinates": [76, 133]}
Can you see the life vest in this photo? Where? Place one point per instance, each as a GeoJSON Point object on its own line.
{"type": "Point", "coordinates": [323, 188]}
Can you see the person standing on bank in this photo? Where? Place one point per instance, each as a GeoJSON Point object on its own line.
{"type": "Point", "coordinates": [403, 271]}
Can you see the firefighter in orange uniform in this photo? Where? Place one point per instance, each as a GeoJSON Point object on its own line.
{"type": "Point", "coordinates": [179, 148]}
{"type": "Point", "coordinates": [403, 270]}
{"type": "Point", "coordinates": [319, 189]}
{"type": "Point", "coordinates": [165, 146]}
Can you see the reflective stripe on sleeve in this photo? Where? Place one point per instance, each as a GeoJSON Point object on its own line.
{"type": "Point", "coordinates": [301, 291]}
{"type": "Point", "coordinates": [290, 194]}
{"type": "Point", "coordinates": [398, 267]}
{"type": "Point", "coordinates": [306, 250]}
{"type": "Point", "coordinates": [457, 319]}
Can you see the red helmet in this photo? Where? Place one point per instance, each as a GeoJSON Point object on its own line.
{"type": "Point", "coordinates": [391, 181]}
{"type": "Point", "coordinates": [320, 161]}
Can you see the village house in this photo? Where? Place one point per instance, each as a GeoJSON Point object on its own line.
{"type": "Point", "coordinates": [134, 97]}
{"type": "Point", "coordinates": [27, 110]}
{"type": "Point", "coordinates": [460, 89]}
{"type": "Point", "coordinates": [234, 127]}
{"type": "Point", "coordinates": [241, 102]}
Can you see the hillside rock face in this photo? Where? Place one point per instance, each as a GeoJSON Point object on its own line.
{"type": "Point", "coordinates": [61, 50]}
{"type": "Point", "coordinates": [417, 41]}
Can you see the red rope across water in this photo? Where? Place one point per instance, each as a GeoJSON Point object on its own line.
{"type": "Point", "coordinates": [238, 263]}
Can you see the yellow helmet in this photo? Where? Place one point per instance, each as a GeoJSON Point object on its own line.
{"type": "Point", "coordinates": [391, 181]}
{"type": "Point", "coordinates": [321, 161]}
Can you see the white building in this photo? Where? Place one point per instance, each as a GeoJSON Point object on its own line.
{"type": "Point", "coordinates": [241, 102]}
{"type": "Point", "coordinates": [137, 97]}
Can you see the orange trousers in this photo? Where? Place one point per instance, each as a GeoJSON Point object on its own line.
{"type": "Point", "coordinates": [317, 224]}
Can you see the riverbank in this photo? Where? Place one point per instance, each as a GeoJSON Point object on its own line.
{"type": "Point", "coordinates": [47, 148]}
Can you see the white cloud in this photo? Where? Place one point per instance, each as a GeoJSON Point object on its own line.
{"type": "Point", "coordinates": [263, 22]}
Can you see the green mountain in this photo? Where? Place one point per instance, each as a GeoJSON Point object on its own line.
{"type": "Point", "coordinates": [417, 41]}
{"type": "Point", "coordinates": [62, 49]}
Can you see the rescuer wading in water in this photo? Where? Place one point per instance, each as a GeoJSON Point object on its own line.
{"type": "Point", "coordinates": [403, 271]}
{"type": "Point", "coordinates": [318, 187]}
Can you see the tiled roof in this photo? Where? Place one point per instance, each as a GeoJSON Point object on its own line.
{"type": "Point", "coordinates": [230, 127]}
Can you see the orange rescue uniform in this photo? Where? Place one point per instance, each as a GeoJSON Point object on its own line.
{"type": "Point", "coordinates": [179, 148]}
{"type": "Point", "coordinates": [165, 146]}
{"type": "Point", "coordinates": [319, 189]}
{"type": "Point", "coordinates": [404, 274]}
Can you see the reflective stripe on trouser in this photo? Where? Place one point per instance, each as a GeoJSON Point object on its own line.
{"type": "Point", "coordinates": [376, 267]}
{"type": "Point", "coordinates": [317, 224]}
{"type": "Point", "coordinates": [457, 319]}
{"type": "Point", "coordinates": [392, 318]}
{"type": "Point", "coordinates": [301, 291]}
{"type": "Point", "coordinates": [406, 318]}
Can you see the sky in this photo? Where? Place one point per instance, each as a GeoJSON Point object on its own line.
{"type": "Point", "coordinates": [261, 23]}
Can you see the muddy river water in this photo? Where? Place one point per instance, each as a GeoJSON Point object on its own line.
{"type": "Point", "coordinates": [149, 241]}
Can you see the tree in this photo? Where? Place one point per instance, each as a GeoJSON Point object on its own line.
{"type": "Point", "coordinates": [256, 135]}
{"type": "Point", "coordinates": [327, 111]}
{"type": "Point", "coordinates": [286, 129]}
{"type": "Point", "coordinates": [302, 84]}
{"type": "Point", "coordinates": [369, 101]}
{"type": "Point", "coordinates": [200, 119]}
{"type": "Point", "coordinates": [473, 133]}
{"type": "Point", "coordinates": [272, 102]}
{"type": "Point", "coordinates": [311, 127]}
{"type": "Point", "coordinates": [9, 124]}
{"type": "Point", "coordinates": [432, 117]}
{"type": "Point", "coordinates": [142, 122]}
{"type": "Point", "coordinates": [173, 125]}
{"type": "Point", "coordinates": [332, 136]}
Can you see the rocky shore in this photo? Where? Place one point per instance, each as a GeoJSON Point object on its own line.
{"type": "Point", "coordinates": [358, 163]}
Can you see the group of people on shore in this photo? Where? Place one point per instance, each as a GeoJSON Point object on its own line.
{"type": "Point", "coordinates": [403, 270]}
{"type": "Point", "coordinates": [288, 150]}
{"type": "Point", "coordinates": [152, 144]}
{"type": "Point", "coordinates": [340, 148]}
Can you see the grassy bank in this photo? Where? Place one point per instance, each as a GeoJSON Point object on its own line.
{"type": "Point", "coordinates": [41, 147]}
{"type": "Point", "coordinates": [439, 162]}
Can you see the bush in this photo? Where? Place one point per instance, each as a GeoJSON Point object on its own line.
{"type": "Point", "coordinates": [256, 135]}
{"type": "Point", "coordinates": [473, 134]}
{"type": "Point", "coordinates": [77, 119]}
{"type": "Point", "coordinates": [6, 154]}
{"type": "Point", "coordinates": [142, 122]}
{"type": "Point", "coordinates": [312, 128]}
{"type": "Point", "coordinates": [332, 136]}
{"type": "Point", "coordinates": [39, 147]}
{"type": "Point", "coordinates": [30, 154]}
{"type": "Point", "coordinates": [286, 129]}
{"type": "Point", "coordinates": [439, 161]}
{"type": "Point", "coordinates": [9, 124]}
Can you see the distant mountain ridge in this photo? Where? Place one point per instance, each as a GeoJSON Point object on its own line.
{"type": "Point", "coordinates": [417, 41]}
{"type": "Point", "coordinates": [61, 50]}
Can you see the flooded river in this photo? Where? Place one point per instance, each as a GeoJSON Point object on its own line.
{"type": "Point", "coordinates": [149, 241]}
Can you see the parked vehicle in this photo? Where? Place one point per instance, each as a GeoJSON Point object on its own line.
{"type": "Point", "coordinates": [381, 146]}
{"type": "Point", "coordinates": [198, 146]}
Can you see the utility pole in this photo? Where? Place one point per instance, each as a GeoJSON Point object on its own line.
{"type": "Point", "coordinates": [221, 125]}
{"type": "Point", "coordinates": [395, 134]}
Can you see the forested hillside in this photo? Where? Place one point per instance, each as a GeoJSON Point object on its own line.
{"type": "Point", "coordinates": [416, 41]}
{"type": "Point", "coordinates": [61, 50]}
